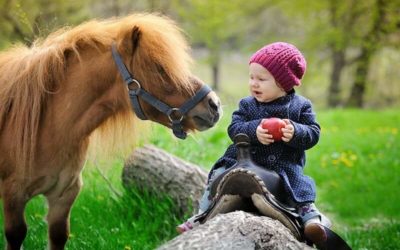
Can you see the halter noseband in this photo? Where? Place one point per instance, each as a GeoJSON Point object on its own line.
{"type": "Point", "coordinates": [177, 126]}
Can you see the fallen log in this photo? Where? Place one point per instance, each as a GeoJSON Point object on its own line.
{"type": "Point", "coordinates": [152, 169]}
{"type": "Point", "coordinates": [236, 231]}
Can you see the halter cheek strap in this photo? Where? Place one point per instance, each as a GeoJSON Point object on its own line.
{"type": "Point", "coordinates": [134, 95]}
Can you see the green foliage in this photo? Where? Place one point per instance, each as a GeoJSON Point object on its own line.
{"type": "Point", "coordinates": [206, 21]}
{"type": "Point", "coordinates": [228, 28]}
{"type": "Point", "coordinates": [24, 21]}
{"type": "Point", "coordinates": [218, 25]}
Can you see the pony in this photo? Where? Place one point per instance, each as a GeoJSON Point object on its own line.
{"type": "Point", "coordinates": [55, 94]}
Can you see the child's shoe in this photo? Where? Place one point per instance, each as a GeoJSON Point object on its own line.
{"type": "Point", "coordinates": [315, 232]}
{"type": "Point", "coordinates": [313, 228]}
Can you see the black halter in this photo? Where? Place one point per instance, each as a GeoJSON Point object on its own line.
{"type": "Point", "coordinates": [177, 126]}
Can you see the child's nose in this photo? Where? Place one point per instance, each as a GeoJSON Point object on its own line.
{"type": "Point", "coordinates": [254, 83]}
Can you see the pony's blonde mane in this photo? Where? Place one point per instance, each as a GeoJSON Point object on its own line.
{"type": "Point", "coordinates": [29, 75]}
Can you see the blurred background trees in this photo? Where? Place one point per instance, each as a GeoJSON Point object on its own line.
{"type": "Point", "coordinates": [352, 47]}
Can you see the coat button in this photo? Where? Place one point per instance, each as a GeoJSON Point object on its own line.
{"type": "Point", "coordinates": [271, 158]}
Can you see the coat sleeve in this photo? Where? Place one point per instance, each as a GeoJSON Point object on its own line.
{"type": "Point", "coordinates": [243, 123]}
{"type": "Point", "coordinates": [306, 130]}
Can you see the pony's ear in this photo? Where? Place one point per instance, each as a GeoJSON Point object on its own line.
{"type": "Point", "coordinates": [131, 41]}
{"type": "Point", "coordinates": [135, 37]}
{"type": "Point", "coordinates": [67, 54]}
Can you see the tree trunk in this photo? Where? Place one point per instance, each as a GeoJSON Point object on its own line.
{"type": "Point", "coordinates": [215, 59]}
{"type": "Point", "coordinates": [215, 75]}
{"type": "Point", "coordinates": [116, 8]}
{"type": "Point", "coordinates": [356, 98]}
{"type": "Point", "coordinates": [369, 46]}
{"type": "Point", "coordinates": [152, 169]}
{"type": "Point", "coordinates": [338, 58]}
{"type": "Point", "coordinates": [237, 231]}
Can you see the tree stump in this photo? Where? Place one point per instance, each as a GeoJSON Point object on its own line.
{"type": "Point", "coordinates": [236, 231]}
{"type": "Point", "coordinates": [152, 169]}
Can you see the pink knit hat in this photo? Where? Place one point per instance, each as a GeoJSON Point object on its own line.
{"type": "Point", "coordinates": [284, 61]}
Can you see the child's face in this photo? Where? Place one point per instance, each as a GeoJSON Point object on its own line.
{"type": "Point", "coordinates": [263, 85]}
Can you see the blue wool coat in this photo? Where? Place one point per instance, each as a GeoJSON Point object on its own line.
{"type": "Point", "coordinates": [287, 159]}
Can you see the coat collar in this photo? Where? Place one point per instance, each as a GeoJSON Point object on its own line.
{"type": "Point", "coordinates": [279, 101]}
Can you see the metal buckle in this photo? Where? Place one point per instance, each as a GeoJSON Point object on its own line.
{"type": "Point", "coordinates": [170, 113]}
{"type": "Point", "coordinates": [134, 81]}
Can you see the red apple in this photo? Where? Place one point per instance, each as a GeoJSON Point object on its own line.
{"type": "Point", "coordinates": [274, 127]}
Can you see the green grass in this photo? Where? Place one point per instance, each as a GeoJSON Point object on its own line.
{"type": "Point", "coordinates": [356, 166]}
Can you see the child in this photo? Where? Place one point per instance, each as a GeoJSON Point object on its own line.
{"type": "Point", "coordinates": [274, 70]}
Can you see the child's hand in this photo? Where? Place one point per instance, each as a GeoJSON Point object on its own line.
{"type": "Point", "coordinates": [263, 136]}
{"type": "Point", "coordinates": [288, 131]}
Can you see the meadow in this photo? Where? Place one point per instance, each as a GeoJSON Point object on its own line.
{"type": "Point", "coordinates": [356, 166]}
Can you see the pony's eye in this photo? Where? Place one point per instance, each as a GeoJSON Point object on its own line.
{"type": "Point", "coordinates": [168, 87]}
{"type": "Point", "coordinates": [161, 70]}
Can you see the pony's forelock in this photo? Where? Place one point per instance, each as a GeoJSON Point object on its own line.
{"type": "Point", "coordinates": [161, 42]}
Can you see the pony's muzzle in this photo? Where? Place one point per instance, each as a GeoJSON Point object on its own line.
{"type": "Point", "coordinates": [210, 115]}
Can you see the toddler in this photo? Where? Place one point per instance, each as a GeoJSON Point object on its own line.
{"type": "Point", "coordinates": [274, 71]}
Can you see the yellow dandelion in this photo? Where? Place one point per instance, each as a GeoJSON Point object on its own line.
{"type": "Point", "coordinates": [347, 162]}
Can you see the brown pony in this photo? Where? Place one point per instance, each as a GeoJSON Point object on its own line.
{"type": "Point", "coordinates": [54, 95]}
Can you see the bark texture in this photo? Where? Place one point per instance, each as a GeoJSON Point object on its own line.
{"type": "Point", "coordinates": [237, 231]}
{"type": "Point", "coordinates": [152, 169]}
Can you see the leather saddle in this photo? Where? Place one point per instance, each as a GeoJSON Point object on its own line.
{"type": "Point", "coordinates": [252, 188]}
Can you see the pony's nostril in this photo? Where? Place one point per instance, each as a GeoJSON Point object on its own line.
{"type": "Point", "coordinates": [213, 105]}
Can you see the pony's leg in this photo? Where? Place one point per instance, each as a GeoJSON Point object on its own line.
{"type": "Point", "coordinates": [14, 222]}
{"type": "Point", "coordinates": [58, 215]}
